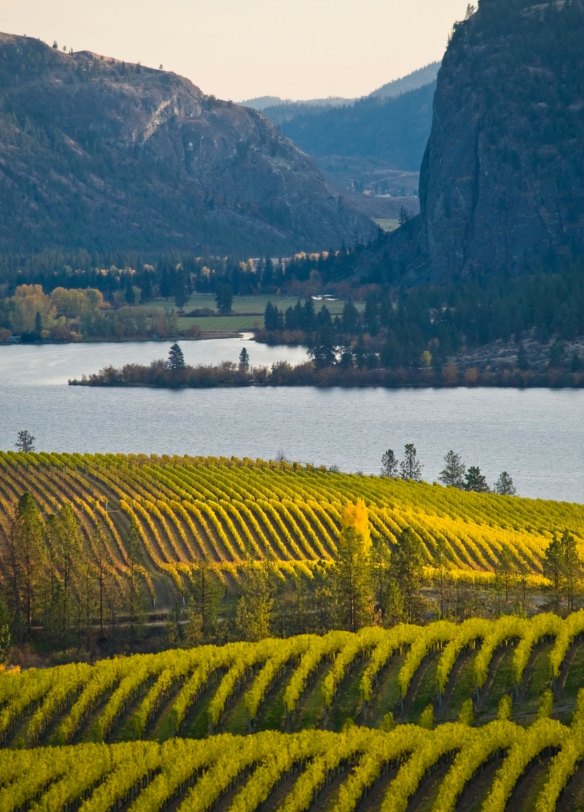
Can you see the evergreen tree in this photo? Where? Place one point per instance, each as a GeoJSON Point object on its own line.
{"type": "Point", "coordinates": [389, 464]}
{"type": "Point", "coordinates": [135, 598]}
{"type": "Point", "coordinates": [25, 441]}
{"type": "Point", "coordinates": [206, 594]}
{"type": "Point", "coordinates": [410, 467]}
{"type": "Point", "coordinates": [23, 569]}
{"type": "Point", "coordinates": [224, 299]}
{"type": "Point", "coordinates": [562, 567]}
{"type": "Point", "coordinates": [504, 485]}
{"type": "Point", "coordinates": [254, 614]}
{"type": "Point", "coordinates": [405, 569]}
{"type": "Point", "coordinates": [176, 359]}
{"type": "Point", "coordinates": [454, 471]}
{"type": "Point", "coordinates": [475, 480]}
{"type": "Point", "coordinates": [244, 361]}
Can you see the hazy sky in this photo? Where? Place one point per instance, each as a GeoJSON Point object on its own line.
{"type": "Point", "coordinates": [237, 49]}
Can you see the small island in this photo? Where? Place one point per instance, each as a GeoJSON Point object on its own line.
{"type": "Point", "coordinates": [322, 369]}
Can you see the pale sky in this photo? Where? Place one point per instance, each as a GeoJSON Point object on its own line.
{"type": "Point", "coordinates": [239, 49]}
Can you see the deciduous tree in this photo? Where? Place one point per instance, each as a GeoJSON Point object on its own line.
{"type": "Point", "coordinates": [351, 573]}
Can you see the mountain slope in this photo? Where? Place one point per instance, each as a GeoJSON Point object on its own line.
{"type": "Point", "coordinates": [418, 78]}
{"type": "Point", "coordinates": [395, 130]}
{"type": "Point", "coordinates": [99, 154]}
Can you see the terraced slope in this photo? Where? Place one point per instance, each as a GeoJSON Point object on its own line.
{"type": "Point", "coordinates": [511, 667]}
{"type": "Point", "coordinates": [360, 769]}
{"type": "Point", "coordinates": [227, 511]}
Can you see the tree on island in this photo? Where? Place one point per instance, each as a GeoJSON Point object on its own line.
{"type": "Point", "coordinates": [504, 485]}
{"type": "Point", "coordinates": [25, 441]}
{"type": "Point", "coordinates": [244, 360]}
{"type": "Point", "coordinates": [410, 467]}
{"type": "Point", "coordinates": [176, 359]}
{"type": "Point", "coordinates": [389, 464]}
{"type": "Point", "coordinates": [453, 473]}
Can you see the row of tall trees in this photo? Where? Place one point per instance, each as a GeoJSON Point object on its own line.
{"type": "Point", "coordinates": [56, 582]}
{"type": "Point", "coordinates": [58, 588]}
{"type": "Point", "coordinates": [454, 474]}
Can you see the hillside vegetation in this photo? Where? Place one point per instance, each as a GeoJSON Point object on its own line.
{"type": "Point", "coordinates": [476, 671]}
{"type": "Point", "coordinates": [100, 155]}
{"type": "Point", "coordinates": [410, 768]}
{"type": "Point", "coordinates": [230, 511]}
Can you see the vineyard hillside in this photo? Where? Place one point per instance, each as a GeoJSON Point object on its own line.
{"type": "Point", "coordinates": [476, 671]}
{"type": "Point", "coordinates": [185, 511]}
{"type": "Point", "coordinates": [499, 766]}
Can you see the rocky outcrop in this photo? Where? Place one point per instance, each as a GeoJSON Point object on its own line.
{"type": "Point", "coordinates": [100, 154]}
{"type": "Point", "coordinates": [502, 182]}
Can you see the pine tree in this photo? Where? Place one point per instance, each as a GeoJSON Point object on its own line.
{"type": "Point", "coordinates": [453, 473]}
{"type": "Point", "coordinates": [244, 361]}
{"type": "Point", "coordinates": [562, 567]}
{"type": "Point", "coordinates": [475, 480]}
{"type": "Point", "coordinates": [389, 464]}
{"type": "Point", "coordinates": [504, 485]}
{"type": "Point", "coordinates": [254, 614]}
{"type": "Point", "coordinates": [24, 565]}
{"type": "Point", "coordinates": [405, 569]}
{"type": "Point", "coordinates": [206, 594]}
{"type": "Point", "coordinates": [410, 467]}
{"type": "Point", "coordinates": [176, 359]}
{"type": "Point", "coordinates": [25, 441]}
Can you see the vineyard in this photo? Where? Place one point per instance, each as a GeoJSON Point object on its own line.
{"type": "Point", "coordinates": [487, 713]}
{"type": "Point", "coordinates": [410, 767]}
{"type": "Point", "coordinates": [511, 667]}
{"type": "Point", "coordinates": [229, 511]}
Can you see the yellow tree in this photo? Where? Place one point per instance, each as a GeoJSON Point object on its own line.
{"type": "Point", "coordinates": [351, 571]}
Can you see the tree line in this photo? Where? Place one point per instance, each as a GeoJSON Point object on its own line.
{"type": "Point", "coordinates": [454, 474]}
{"type": "Point", "coordinates": [59, 592]}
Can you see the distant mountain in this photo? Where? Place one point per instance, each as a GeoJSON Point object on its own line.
{"type": "Point", "coordinates": [104, 155]}
{"type": "Point", "coordinates": [414, 80]}
{"type": "Point", "coordinates": [264, 103]}
{"type": "Point", "coordinates": [395, 130]}
{"type": "Point", "coordinates": [281, 110]}
{"type": "Point", "coordinates": [371, 148]}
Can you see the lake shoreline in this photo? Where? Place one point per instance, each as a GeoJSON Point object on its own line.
{"type": "Point", "coordinates": [230, 375]}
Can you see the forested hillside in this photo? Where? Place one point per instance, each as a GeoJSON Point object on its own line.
{"type": "Point", "coordinates": [101, 155]}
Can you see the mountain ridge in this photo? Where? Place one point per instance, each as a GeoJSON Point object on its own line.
{"type": "Point", "coordinates": [103, 154]}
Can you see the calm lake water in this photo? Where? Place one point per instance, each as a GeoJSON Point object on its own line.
{"type": "Point", "coordinates": [537, 435]}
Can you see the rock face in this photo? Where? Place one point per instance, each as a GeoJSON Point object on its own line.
{"type": "Point", "coordinates": [100, 154]}
{"type": "Point", "coordinates": [502, 182]}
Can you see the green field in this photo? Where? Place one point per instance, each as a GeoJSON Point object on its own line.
{"type": "Point", "coordinates": [247, 311]}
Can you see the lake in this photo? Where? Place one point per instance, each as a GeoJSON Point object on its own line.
{"type": "Point", "coordinates": [537, 435]}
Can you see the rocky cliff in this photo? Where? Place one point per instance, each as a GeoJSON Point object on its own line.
{"type": "Point", "coordinates": [502, 182]}
{"type": "Point", "coordinates": [104, 155]}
